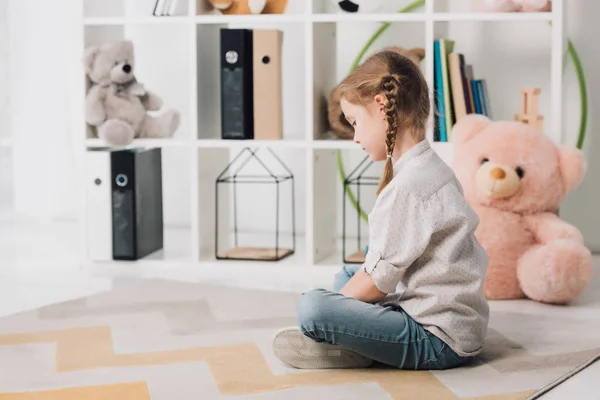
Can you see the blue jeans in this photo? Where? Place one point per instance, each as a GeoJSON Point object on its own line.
{"type": "Point", "coordinates": [384, 334]}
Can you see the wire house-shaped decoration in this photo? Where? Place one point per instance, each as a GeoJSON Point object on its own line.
{"type": "Point", "coordinates": [357, 180]}
{"type": "Point", "coordinates": [236, 181]}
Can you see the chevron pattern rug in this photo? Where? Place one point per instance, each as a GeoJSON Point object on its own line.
{"type": "Point", "coordinates": [165, 340]}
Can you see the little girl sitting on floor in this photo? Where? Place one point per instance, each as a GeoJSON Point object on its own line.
{"type": "Point", "coordinates": [417, 302]}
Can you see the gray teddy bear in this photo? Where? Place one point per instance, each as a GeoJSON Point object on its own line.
{"type": "Point", "coordinates": [116, 103]}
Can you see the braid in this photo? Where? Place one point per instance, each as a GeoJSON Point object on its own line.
{"type": "Point", "coordinates": [390, 85]}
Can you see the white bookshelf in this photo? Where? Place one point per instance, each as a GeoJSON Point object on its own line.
{"type": "Point", "coordinates": [315, 37]}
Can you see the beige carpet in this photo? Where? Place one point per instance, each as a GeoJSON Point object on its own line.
{"type": "Point", "coordinates": [164, 340]}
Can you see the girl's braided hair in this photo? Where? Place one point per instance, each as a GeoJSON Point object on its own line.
{"type": "Point", "coordinates": [407, 104]}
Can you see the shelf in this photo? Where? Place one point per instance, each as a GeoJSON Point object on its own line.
{"type": "Point", "coordinates": [486, 53]}
{"type": "Point", "coordinates": [293, 88]}
{"type": "Point", "coordinates": [249, 19]}
{"type": "Point", "coordinates": [178, 57]}
{"type": "Point", "coordinates": [106, 21]}
{"type": "Point", "coordinates": [176, 249]}
{"type": "Point", "coordinates": [467, 16]}
{"type": "Point", "coordinates": [295, 259]}
{"type": "Point", "coordinates": [95, 143]}
{"type": "Point", "coordinates": [335, 144]}
{"type": "Point", "coordinates": [391, 17]}
{"type": "Point", "coordinates": [335, 46]}
{"type": "Point", "coordinates": [255, 206]}
{"type": "Point", "coordinates": [317, 18]}
{"type": "Point", "coordinates": [238, 144]}
{"type": "Point", "coordinates": [203, 143]}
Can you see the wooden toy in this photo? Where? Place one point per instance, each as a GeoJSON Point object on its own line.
{"type": "Point", "coordinates": [529, 113]}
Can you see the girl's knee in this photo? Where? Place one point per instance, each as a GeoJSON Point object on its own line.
{"type": "Point", "coordinates": [311, 306]}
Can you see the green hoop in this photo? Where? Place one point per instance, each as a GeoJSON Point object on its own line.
{"type": "Point", "coordinates": [418, 3]}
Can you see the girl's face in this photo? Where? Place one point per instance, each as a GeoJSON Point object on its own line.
{"type": "Point", "coordinates": [370, 126]}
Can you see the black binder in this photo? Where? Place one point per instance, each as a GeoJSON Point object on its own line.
{"type": "Point", "coordinates": [237, 112]}
{"type": "Point", "coordinates": [137, 208]}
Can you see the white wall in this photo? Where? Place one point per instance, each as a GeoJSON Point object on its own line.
{"type": "Point", "coordinates": [581, 207]}
{"type": "Point", "coordinates": [43, 146]}
{"type": "Point", "coordinates": [40, 38]}
{"type": "Point", "coordinates": [4, 92]}
{"type": "Point", "coordinates": [5, 153]}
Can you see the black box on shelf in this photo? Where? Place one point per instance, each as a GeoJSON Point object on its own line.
{"type": "Point", "coordinates": [251, 84]}
{"type": "Point", "coordinates": [137, 207]}
{"type": "Point", "coordinates": [237, 94]}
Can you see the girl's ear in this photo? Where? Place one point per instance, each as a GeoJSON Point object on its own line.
{"type": "Point", "coordinates": [380, 101]}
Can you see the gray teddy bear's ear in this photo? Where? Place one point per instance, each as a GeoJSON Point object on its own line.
{"type": "Point", "coordinates": [89, 57]}
{"type": "Point", "coordinates": [128, 46]}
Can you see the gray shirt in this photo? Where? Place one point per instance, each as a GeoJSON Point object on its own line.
{"type": "Point", "coordinates": [424, 254]}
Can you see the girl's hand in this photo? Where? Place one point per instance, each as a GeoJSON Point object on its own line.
{"type": "Point", "coordinates": [362, 288]}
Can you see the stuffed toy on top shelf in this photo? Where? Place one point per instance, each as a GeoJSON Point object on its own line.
{"type": "Point", "coordinates": [515, 178]}
{"type": "Point", "coordinates": [239, 7]}
{"type": "Point", "coordinates": [512, 5]}
{"type": "Point", "coordinates": [116, 103]}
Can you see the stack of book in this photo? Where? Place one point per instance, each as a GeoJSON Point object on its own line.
{"type": "Point", "coordinates": [456, 91]}
{"type": "Point", "coordinates": [165, 8]}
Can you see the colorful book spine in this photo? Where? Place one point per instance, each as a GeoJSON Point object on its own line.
{"type": "Point", "coordinates": [456, 84]}
{"type": "Point", "coordinates": [469, 78]}
{"type": "Point", "coordinates": [456, 91]}
{"type": "Point", "coordinates": [440, 115]}
{"type": "Point", "coordinates": [476, 98]}
{"type": "Point", "coordinates": [486, 98]}
{"type": "Point", "coordinates": [446, 47]}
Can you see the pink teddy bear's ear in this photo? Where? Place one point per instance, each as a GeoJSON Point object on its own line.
{"type": "Point", "coordinates": [467, 127]}
{"type": "Point", "coordinates": [572, 165]}
{"type": "Point", "coordinates": [535, 5]}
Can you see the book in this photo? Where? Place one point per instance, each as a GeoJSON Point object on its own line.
{"type": "Point", "coordinates": [476, 98]}
{"type": "Point", "coordinates": [481, 97]}
{"type": "Point", "coordinates": [446, 47]}
{"type": "Point", "coordinates": [455, 61]}
{"type": "Point", "coordinates": [165, 7]}
{"type": "Point", "coordinates": [486, 98]}
{"type": "Point", "coordinates": [469, 79]}
{"type": "Point", "coordinates": [457, 92]}
{"type": "Point", "coordinates": [440, 115]}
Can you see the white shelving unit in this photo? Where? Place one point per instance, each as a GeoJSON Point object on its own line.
{"type": "Point", "coordinates": [315, 44]}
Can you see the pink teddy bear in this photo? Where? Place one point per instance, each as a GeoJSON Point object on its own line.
{"type": "Point", "coordinates": [512, 5]}
{"type": "Point", "coordinates": [515, 178]}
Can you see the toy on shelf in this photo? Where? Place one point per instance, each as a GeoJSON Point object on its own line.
{"type": "Point", "coordinates": [359, 6]}
{"type": "Point", "coordinates": [515, 178]}
{"type": "Point", "coordinates": [239, 7]}
{"type": "Point", "coordinates": [338, 124]}
{"type": "Point", "coordinates": [529, 112]}
{"type": "Point", "coordinates": [358, 179]}
{"type": "Point", "coordinates": [512, 5]}
{"type": "Point", "coordinates": [255, 248]}
{"type": "Point", "coordinates": [116, 104]}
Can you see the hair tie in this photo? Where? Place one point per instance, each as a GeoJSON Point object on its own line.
{"type": "Point", "coordinates": [389, 156]}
